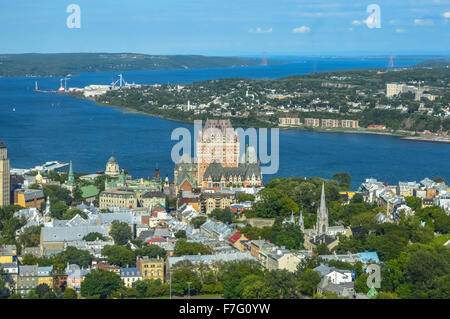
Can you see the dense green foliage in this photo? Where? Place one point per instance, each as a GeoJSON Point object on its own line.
{"type": "Point", "coordinates": [94, 236]}
{"type": "Point", "coordinates": [224, 215]}
{"type": "Point", "coordinates": [100, 283]}
{"type": "Point", "coordinates": [120, 232]}
{"type": "Point", "coordinates": [182, 248]}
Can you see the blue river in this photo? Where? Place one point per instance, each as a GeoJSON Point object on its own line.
{"type": "Point", "coordinates": [40, 127]}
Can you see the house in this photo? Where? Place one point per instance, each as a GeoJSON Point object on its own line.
{"type": "Point", "coordinates": [153, 198]}
{"type": "Point", "coordinates": [130, 275]}
{"type": "Point", "coordinates": [216, 229]}
{"type": "Point", "coordinates": [108, 267]}
{"type": "Point", "coordinates": [345, 289]}
{"type": "Point", "coordinates": [45, 276]}
{"type": "Point", "coordinates": [8, 254]}
{"type": "Point", "coordinates": [29, 198]}
{"type": "Point", "coordinates": [335, 276]}
{"type": "Point", "coordinates": [11, 272]}
{"type": "Point", "coordinates": [27, 279]}
{"type": "Point", "coordinates": [278, 259]}
{"type": "Point", "coordinates": [236, 240]}
{"type": "Point", "coordinates": [75, 276]}
{"type": "Point", "coordinates": [55, 238]}
{"type": "Point", "coordinates": [256, 246]}
{"type": "Point", "coordinates": [151, 268]}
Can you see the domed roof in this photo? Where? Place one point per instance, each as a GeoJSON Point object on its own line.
{"type": "Point", "coordinates": [112, 160]}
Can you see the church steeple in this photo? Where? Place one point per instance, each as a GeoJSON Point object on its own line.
{"type": "Point", "coordinates": [322, 214]}
{"type": "Point", "coordinates": [292, 218]}
{"type": "Point", "coordinates": [301, 222]}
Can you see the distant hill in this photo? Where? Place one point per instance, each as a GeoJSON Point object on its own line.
{"type": "Point", "coordinates": [441, 62]}
{"type": "Point", "coordinates": [58, 64]}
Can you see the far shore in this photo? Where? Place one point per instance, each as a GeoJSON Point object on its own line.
{"type": "Point", "coordinates": [405, 135]}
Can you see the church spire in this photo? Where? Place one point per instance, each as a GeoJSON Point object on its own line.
{"type": "Point", "coordinates": [301, 223]}
{"type": "Point", "coordinates": [322, 214]}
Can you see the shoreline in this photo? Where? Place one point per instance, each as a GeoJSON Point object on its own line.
{"type": "Point", "coordinates": [402, 135]}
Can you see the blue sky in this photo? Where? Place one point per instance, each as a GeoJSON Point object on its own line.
{"type": "Point", "coordinates": [227, 27]}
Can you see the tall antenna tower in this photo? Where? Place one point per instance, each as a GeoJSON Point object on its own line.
{"type": "Point", "coordinates": [391, 62]}
{"type": "Point", "coordinates": [264, 59]}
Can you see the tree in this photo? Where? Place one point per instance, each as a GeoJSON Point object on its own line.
{"type": "Point", "coordinates": [69, 293]}
{"type": "Point", "coordinates": [73, 255]}
{"type": "Point", "coordinates": [120, 232]}
{"type": "Point", "coordinates": [182, 248]}
{"type": "Point", "coordinates": [180, 279]}
{"type": "Point", "coordinates": [414, 202]}
{"type": "Point", "coordinates": [32, 295]}
{"type": "Point", "coordinates": [151, 288]}
{"type": "Point", "coordinates": [322, 249]}
{"type": "Point", "coordinates": [198, 221]}
{"type": "Point", "coordinates": [307, 263]}
{"type": "Point", "coordinates": [58, 209]}
{"type": "Point", "coordinates": [244, 197]}
{"type": "Point", "coordinates": [180, 234]}
{"type": "Point", "coordinates": [357, 198]}
{"type": "Point", "coordinates": [281, 283]}
{"type": "Point", "coordinates": [232, 273]}
{"type": "Point", "coordinates": [308, 281]}
{"type": "Point", "coordinates": [71, 213]}
{"type": "Point", "coordinates": [31, 237]}
{"type": "Point", "coordinates": [152, 251]}
{"type": "Point", "coordinates": [94, 236]}
{"type": "Point", "coordinates": [42, 289]}
{"type": "Point", "coordinates": [361, 284]}
{"type": "Point", "coordinates": [274, 203]}
{"type": "Point", "coordinates": [254, 287]}
{"type": "Point", "coordinates": [343, 179]}
{"type": "Point", "coordinates": [57, 194]}
{"type": "Point", "coordinates": [119, 255]}
{"type": "Point", "coordinates": [224, 215]}
{"type": "Point", "coordinates": [438, 179]}
{"type": "Point", "coordinates": [100, 283]}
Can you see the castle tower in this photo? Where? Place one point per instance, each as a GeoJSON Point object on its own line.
{"type": "Point", "coordinates": [322, 214]}
{"type": "Point", "coordinates": [5, 186]}
{"type": "Point", "coordinates": [217, 142]}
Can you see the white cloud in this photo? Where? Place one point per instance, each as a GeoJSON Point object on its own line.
{"type": "Point", "coordinates": [302, 29]}
{"type": "Point", "coordinates": [394, 22]}
{"type": "Point", "coordinates": [357, 22]}
{"type": "Point", "coordinates": [400, 30]}
{"type": "Point", "coordinates": [446, 15]}
{"type": "Point", "coordinates": [260, 30]}
{"type": "Point", "coordinates": [423, 22]}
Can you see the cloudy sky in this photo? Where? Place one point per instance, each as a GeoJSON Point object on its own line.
{"type": "Point", "coordinates": [228, 27]}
